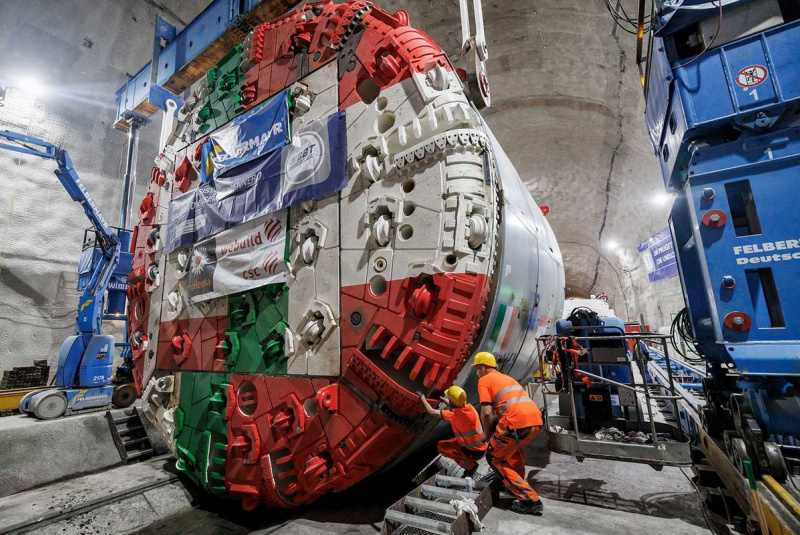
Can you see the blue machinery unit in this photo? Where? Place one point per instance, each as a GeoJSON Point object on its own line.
{"type": "Point", "coordinates": [723, 113]}
{"type": "Point", "coordinates": [86, 360]}
{"type": "Point", "coordinates": [608, 406]}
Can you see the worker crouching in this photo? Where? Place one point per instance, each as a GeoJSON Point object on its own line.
{"type": "Point", "coordinates": [468, 446]}
{"type": "Point", "coordinates": [518, 423]}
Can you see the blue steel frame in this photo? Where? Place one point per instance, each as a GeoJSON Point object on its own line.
{"type": "Point", "coordinates": [732, 150]}
{"type": "Point", "coordinates": [173, 49]}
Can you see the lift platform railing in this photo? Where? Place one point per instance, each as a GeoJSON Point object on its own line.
{"type": "Point", "coordinates": [564, 431]}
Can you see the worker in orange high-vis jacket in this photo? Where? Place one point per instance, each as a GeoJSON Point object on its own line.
{"type": "Point", "coordinates": [468, 446]}
{"type": "Point", "coordinates": [518, 423]}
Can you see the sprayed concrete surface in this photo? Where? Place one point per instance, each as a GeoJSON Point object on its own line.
{"type": "Point", "coordinates": [35, 452]}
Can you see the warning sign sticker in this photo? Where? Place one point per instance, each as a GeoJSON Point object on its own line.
{"type": "Point", "coordinates": [751, 76]}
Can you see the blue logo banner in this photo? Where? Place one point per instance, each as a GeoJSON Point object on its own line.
{"type": "Point", "coordinates": [252, 135]}
{"type": "Point", "coordinates": [658, 256]}
{"type": "Point", "coordinates": [314, 165]}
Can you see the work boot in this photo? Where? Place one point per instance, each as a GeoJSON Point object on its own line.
{"type": "Point", "coordinates": [527, 508]}
{"type": "Point", "coordinates": [471, 471]}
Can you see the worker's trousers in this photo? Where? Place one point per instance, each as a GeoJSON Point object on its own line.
{"type": "Point", "coordinates": [466, 459]}
{"type": "Point", "coordinates": [505, 456]}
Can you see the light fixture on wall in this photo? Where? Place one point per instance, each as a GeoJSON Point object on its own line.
{"type": "Point", "coordinates": [611, 245]}
{"type": "Point", "coordinates": [662, 199]}
{"type": "Point", "coordinates": [30, 85]}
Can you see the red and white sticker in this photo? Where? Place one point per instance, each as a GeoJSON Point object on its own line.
{"type": "Point", "coordinates": [752, 75]}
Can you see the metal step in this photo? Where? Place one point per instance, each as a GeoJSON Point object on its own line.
{"type": "Point", "coordinates": [429, 505]}
{"type": "Point", "coordinates": [418, 522]}
{"type": "Point", "coordinates": [135, 441]}
{"type": "Point", "coordinates": [450, 494]}
{"type": "Point", "coordinates": [128, 432]}
{"type": "Point", "coordinates": [448, 481]}
{"type": "Point", "coordinates": [426, 509]}
{"type": "Point", "coordinates": [131, 430]}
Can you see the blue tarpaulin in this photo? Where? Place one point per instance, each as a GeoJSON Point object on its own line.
{"type": "Point", "coordinates": [314, 165]}
{"type": "Point", "coordinates": [252, 135]}
{"type": "Point", "coordinates": [658, 255]}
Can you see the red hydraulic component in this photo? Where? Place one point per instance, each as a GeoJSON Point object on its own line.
{"type": "Point", "coordinates": [421, 300]}
{"type": "Point", "coordinates": [147, 207]}
{"type": "Point", "coordinates": [181, 347]}
{"type": "Point", "coordinates": [738, 321]}
{"type": "Point", "coordinates": [283, 420]}
{"type": "Point", "coordinates": [401, 15]}
{"type": "Point", "coordinates": [158, 176]}
{"type": "Point", "coordinates": [715, 218]}
{"type": "Point", "coordinates": [248, 444]}
{"type": "Point", "coordinates": [315, 467]}
{"type": "Point", "coordinates": [185, 174]}
{"type": "Point", "coordinates": [328, 397]}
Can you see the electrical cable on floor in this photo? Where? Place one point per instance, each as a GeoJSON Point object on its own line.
{"type": "Point", "coordinates": [699, 499]}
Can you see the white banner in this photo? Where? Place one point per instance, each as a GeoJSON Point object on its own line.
{"type": "Point", "coordinates": [244, 257]}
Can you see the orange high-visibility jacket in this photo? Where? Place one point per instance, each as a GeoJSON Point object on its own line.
{"type": "Point", "coordinates": [466, 426]}
{"type": "Point", "coordinates": [510, 401]}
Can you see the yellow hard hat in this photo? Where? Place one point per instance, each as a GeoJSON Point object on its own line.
{"type": "Point", "coordinates": [456, 395]}
{"type": "Point", "coordinates": [485, 358]}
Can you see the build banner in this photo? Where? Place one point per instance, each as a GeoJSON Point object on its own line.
{"type": "Point", "coordinates": [658, 256]}
{"type": "Point", "coordinates": [314, 165]}
{"type": "Point", "coordinates": [242, 258]}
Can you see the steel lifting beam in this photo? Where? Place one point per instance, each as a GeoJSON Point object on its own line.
{"type": "Point", "coordinates": [180, 58]}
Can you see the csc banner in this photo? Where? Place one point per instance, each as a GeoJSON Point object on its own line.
{"type": "Point", "coordinates": [239, 259]}
{"type": "Point", "coordinates": [314, 165]}
{"type": "Point", "coordinates": [249, 136]}
{"type": "Point", "coordinates": [658, 256]}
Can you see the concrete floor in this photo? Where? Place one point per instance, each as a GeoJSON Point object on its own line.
{"type": "Point", "coordinates": [589, 497]}
{"type": "Point", "coordinates": [147, 498]}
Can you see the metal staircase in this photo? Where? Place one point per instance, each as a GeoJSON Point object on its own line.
{"type": "Point", "coordinates": [129, 434]}
{"type": "Point", "coordinates": [427, 509]}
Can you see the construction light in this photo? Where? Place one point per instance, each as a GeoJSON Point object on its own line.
{"type": "Point", "coordinates": [662, 199]}
{"type": "Point", "coordinates": [30, 85]}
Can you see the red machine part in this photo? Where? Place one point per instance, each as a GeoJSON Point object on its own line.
{"type": "Point", "coordinates": [185, 174]}
{"type": "Point", "coordinates": [204, 335]}
{"type": "Point", "coordinates": [289, 450]}
{"type": "Point", "coordinates": [181, 347]}
{"type": "Point", "coordinates": [738, 321]}
{"type": "Point", "coordinates": [387, 50]}
{"type": "Point", "coordinates": [715, 218]}
{"type": "Point", "coordinates": [424, 326]}
{"type": "Point", "coordinates": [143, 260]}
